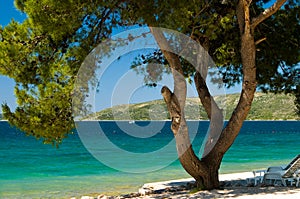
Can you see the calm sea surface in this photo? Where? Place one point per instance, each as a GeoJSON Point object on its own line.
{"type": "Point", "coordinates": [29, 169]}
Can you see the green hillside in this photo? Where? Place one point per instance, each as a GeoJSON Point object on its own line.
{"type": "Point", "coordinates": [264, 107]}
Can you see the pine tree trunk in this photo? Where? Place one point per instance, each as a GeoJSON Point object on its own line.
{"type": "Point", "coordinates": [205, 170]}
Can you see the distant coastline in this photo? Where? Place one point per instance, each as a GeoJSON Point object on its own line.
{"type": "Point", "coordinates": [258, 120]}
{"type": "Point", "coordinates": [265, 107]}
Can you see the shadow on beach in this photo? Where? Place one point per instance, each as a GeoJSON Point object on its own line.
{"type": "Point", "coordinates": [229, 189]}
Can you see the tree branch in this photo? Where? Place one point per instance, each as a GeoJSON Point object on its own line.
{"type": "Point", "coordinates": [175, 103]}
{"type": "Point", "coordinates": [214, 114]}
{"type": "Point", "coordinates": [173, 108]}
{"type": "Point", "coordinates": [248, 58]}
{"type": "Point", "coordinates": [260, 40]}
{"type": "Point", "coordinates": [174, 62]}
{"type": "Point", "coordinates": [240, 16]}
{"type": "Point", "coordinates": [203, 93]}
{"type": "Point", "coordinates": [165, 48]}
{"type": "Point", "coordinates": [267, 13]}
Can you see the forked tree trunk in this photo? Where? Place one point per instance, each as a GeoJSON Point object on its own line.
{"type": "Point", "coordinates": [205, 170]}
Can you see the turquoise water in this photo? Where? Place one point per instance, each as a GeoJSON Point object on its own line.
{"type": "Point", "coordinates": [29, 169]}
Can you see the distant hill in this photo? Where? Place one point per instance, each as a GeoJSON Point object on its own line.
{"type": "Point", "coordinates": [264, 107]}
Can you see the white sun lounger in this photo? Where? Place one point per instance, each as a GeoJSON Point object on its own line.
{"type": "Point", "coordinates": [280, 174]}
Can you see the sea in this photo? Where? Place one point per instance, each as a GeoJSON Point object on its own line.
{"type": "Point", "coordinates": [118, 157]}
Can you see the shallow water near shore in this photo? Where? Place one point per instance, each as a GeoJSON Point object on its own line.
{"type": "Point", "coordinates": [29, 169]}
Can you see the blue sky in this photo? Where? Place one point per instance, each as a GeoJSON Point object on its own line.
{"type": "Point", "coordinates": [7, 12]}
{"type": "Point", "coordinates": [117, 77]}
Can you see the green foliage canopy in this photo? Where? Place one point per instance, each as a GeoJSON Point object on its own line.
{"type": "Point", "coordinates": [215, 26]}
{"type": "Point", "coordinates": [43, 54]}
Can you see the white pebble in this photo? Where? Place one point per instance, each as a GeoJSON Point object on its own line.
{"type": "Point", "coordinates": [86, 197]}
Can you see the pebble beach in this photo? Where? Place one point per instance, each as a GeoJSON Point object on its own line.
{"type": "Point", "coordinates": [235, 185]}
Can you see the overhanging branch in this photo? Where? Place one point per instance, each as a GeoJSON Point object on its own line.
{"type": "Point", "coordinates": [163, 45]}
{"type": "Point", "coordinates": [175, 64]}
{"type": "Point", "coordinates": [260, 40]}
{"type": "Point", "coordinates": [267, 13]}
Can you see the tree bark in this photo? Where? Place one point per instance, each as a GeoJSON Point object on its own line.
{"type": "Point", "coordinates": [175, 104]}
{"type": "Point", "coordinates": [234, 125]}
{"type": "Point", "coordinates": [214, 113]}
{"type": "Point", "coordinates": [205, 171]}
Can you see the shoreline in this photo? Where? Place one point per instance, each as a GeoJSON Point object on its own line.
{"type": "Point", "coordinates": [233, 185]}
{"type": "Point", "coordinates": [254, 148]}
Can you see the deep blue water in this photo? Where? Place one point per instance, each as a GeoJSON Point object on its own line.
{"type": "Point", "coordinates": [29, 169]}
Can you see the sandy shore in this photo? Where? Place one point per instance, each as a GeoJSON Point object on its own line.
{"type": "Point", "coordinates": [234, 186]}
